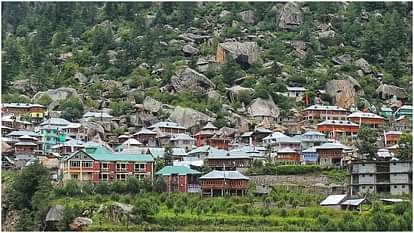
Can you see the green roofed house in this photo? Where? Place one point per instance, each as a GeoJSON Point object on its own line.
{"type": "Point", "coordinates": [97, 163]}
{"type": "Point", "coordinates": [180, 179]}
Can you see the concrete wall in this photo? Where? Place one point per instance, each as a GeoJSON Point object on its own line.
{"type": "Point", "coordinates": [400, 167]}
{"type": "Point", "coordinates": [366, 188]}
{"type": "Point", "coordinates": [366, 179]}
{"type": "Point", "coordinates": [399, 189]}
{"type": "Point", "coordinates": [398, 178]}
{"type": "Point", "coordinates": [364, 168]}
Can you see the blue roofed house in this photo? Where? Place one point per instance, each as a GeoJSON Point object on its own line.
{"type": "Point", "coordinates": [310, 156]}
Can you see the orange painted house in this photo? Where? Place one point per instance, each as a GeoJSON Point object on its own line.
{"type": "Point", "coordinates": [392, 138]}
{"type": "Point", "coordinates": [333, 127]}
{"type": "Point", "coordinates": [366, 118]}
{"type": "Point", "coordinates": [287, 155]}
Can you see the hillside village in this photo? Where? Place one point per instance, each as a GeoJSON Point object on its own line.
{"type": "Point", "coordinates": [236, 112]}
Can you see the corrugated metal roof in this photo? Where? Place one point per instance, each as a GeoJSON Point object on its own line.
{"type": "Point", "coordinates": [55, 213]}
{"type": "Point", "coordinates": [330, 145]}
{"type": "Point", "coordinates": [22, 133]}
{"type": "Point", "coordinates": [230, 175]}
{"type": "Point", "coordinates": [181, 136]}
{"type": "Point", "coordinates": [201, 149]}
{"type": "Point", "coordinates": [166, 124]}
{"type": "Point", "coordinates": [97, 115]}
{"type": "Point", "coordinates": [325, 107]}
{"type": "Point", "coordinates": [337, 122]}
{"type": "Point", "coordinates": [296, 88]}
{"type": "Point", "coordinates": [55, 121]}
{"type": "Point", "coordinates": [25, 144]}
{"type": "Point", "coordinates": [145, 131]}
{"type": "Point", "coordinates": [181, 170]}
{"type": "Point", "coordinates": [353, 202]}
{"type": "Point", "coordinates": [333, 200]}
{"type": "Point", "coordinates": [209, 125]}
{"type": "Point", "coordinates": [365, 115]}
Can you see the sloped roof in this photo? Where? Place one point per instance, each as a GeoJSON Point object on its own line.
{"type": "Point", "coordinates": [281, 138]}
{"type": "Point", "coordinates": [25, 144]}
{"type": "Point", "coordinates": [230, 175]}
{"type": "Point", "coordinates": [201, 149]}
{"type": "Point", "coordinates": [296, 88]}
{"type": "Point", "coordinates": [181, 136]}
{"type": "Point", "coordinates": [330, 145]}
{"type": "Point", "coordinates": [209, 125]}
{"type": "Point", "coordinates": [22, 133]}
{"type": "Point", "coordinates": [338, 122]}
{"type": "Point", "coordinates": [286, 150]}
{"type": "Point", "coordinates": [354, 202]}
{"type": "Point", "coordinates": [101, 153]}
{"type": "Point", "coordinates": [325, 107]}
{"type": "Point", "coordinates": [166, 124]}
{"type": "Point", "coordinates": [180, 170]}
{"type": "Point", "coordinates": [333, 199]}
{"type": "Point", "coordinates": [132, 141]}
{"type": "Point", "coordinates": [365, 115]}
{"type": "Point", "coordinates": [97, 115]}
{"type": "Point", "coordinates": [55, 121]}
{"type": "Point", "coordinates": [145, 131]}
{"type": "Point", "coordinates": [28, 137]}
{"type": "Point", "coordinates": [310, 150]}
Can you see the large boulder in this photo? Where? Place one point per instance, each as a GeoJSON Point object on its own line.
{"type": "Point", "coordinates": [23, 85]}
{"type": "Point", "coordinates": [345, 92]}
{"type": "Point", "coordinates": [188, 117]}
{"type": "Point", "coordinates": [189, 79]}
{"type": "Point", "coordinates": [242, 52]}
{"type": "Point", "coordinates": [80, 77]}
{"type": "Point", "coordinates": [263, 108]}
{"type": "Point", "coordinates": [56, 95]}
{"type": "Point", "coordinates": [386, 91]}
{"type": "Point", "coordinates": [363, 65]}
{"type": "Point", "coordinates": [234, 92]}
{"type": "Point", "coordinates": [151, 105]}
{"type": "Point", "coordinates": [342, 60]}
{"type": "Point", "coordinates": [248, 16]}
{"type": "Point", "coordinates": [291, 16]}
{"type": "Point", "coordinates": [93, 128]}
{"type": "Point", "coordinates": [189, 49]}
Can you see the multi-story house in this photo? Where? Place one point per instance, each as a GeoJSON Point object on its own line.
{"type": "Point", "coordinates": [278, 141]}
{"type": "Point", "coordinates": [206, 133]}
{"type": "Point", "coordinates": [392, 138]}
{"type": "Point", "coordinates": [295, 92]}
{"type": "Point", "coordinates": [287, 155]}
{"type": "Point", "coordinates": [146, 137]}
{"type": "Point", "coordinates": [220, 183]}
{"type": "Point", "coordinates": [98, 116]}
{"type": "Point", "coordinates": [310, 156]}
{"type": "Point", "coordinates": [96, 163]}
{"type": "Point", "coordinates": [366, 118]}
{"type": "Point", "coordinates": [182, 141]}
{"type": "Point", "coordinates": [311, 138]}
{"type": "Point", "coordinates": [180, 179]}
{"type": "Point", "coordinates": [381, 177]}
{"type": "Point", "coordinates": [330, 154]}
{"type": "Point", "coordinates": [322, 112]}
{"type": "Point", "coordinates": [56, 130]}
{"type": "Point", "coordinates": [36, 111]}
{"type": "Point", "coordinates": [167, 128]}
{"type": "Point", "coordinates": [228, 160]}
{"type": "Point", "coordinates": [256, 136]}
{"type": "Point", "coordinates": [337, 129]}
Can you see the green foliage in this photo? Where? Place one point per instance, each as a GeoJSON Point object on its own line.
{"type": "Point", "coordinates": [168, 156]}
{"type": "Point", "coordinates": [143, 210]}
{"type": "Point", "coordinates": [230, 70]}
{"type": "Point", "coordinates": [272, 169]}
{"type": "Point", "coordinates": [121, 108]}
{"type": "Point", "coordinates": [69, 213]}
{"type": "Point", "coordinates": [44, 100]}
{"type": "Point", "coordinates": [366, 142]}
{"type": "Point", "coordinates": [405, 146]}
{"type": "Point", "coordinates": [72, 109]}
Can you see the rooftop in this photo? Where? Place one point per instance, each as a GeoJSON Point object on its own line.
{"type": "Point", "coordinates": [333, 200]}
{"type": "Point", "coordinates": [97, 115]}
{"type": "Point", "coordinates": [21, 105]}
{"type": "Point", "coordinates": [166, 124]}
{"type": "Point", "coordinates": [337, 122]}
{"type": "Point", "coordinates": [22, 133]}
{"type": "Point", "coordinates": [180, 170]}
{"type": "Point", "coordinates": [365, 115]}
{"type": "Point", "coordinates": [325, 107]}
{"type": "Point", "coordinates": [296, 89]}
{"type": "Point", "coordinates": [181, 136]}
{"type": "Point", "coordinates": [230, 175]}
{"type": "Point", "coordinates": [145, 131]}
{"type": "Point", "coordinates": [55, 121]}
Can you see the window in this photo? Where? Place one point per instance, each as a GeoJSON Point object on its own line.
{"type": "Point", "coordinates": [395, 186]}
{"type": "Point", "coordinates": [121, 166]}
{"type": "Point", "coordinates": [87, 164]}
{"type": "Point", "coordinates": [104, 166]}
{"type": "Point", "coordinates": [363, 187]}
{"type": "Point", "coordinates": [121, 176]}
{"type": "Point", "coordinates": [104, 177]}
{"type": "Point", "coordinates": [75, 176]}
{"type": "Point", "coordinates": [140, 176]}
{"type": "Point", "coordinates": [75, 163]}
{"type": "Point", "coordinates": [370, 187]}
{"type": "Point", "coordinates": [140, 167]}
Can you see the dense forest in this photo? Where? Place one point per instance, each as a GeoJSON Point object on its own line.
{"type": "Point", "coordinates": [139, 45]}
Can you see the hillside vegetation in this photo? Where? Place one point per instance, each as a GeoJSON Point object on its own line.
{"type": "Point", "coordinates": [140, 46]}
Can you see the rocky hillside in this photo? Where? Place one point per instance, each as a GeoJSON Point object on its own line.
{"type": "Point", "coordinates": [212, 59]}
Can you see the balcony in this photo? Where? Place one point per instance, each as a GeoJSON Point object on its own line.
{"type": "Point", "coordinates": [122, 170]}
{"type": "Point", "coordinates": [139, 170]}
{"type": "Point", "coordinates": [193, 188]}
